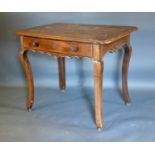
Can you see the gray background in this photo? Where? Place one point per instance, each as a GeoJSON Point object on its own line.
{"type": "Point", "coordinates": [63, 117]}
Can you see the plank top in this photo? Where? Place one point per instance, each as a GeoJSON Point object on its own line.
{"type": "Point", "coordinates": [102, 34]}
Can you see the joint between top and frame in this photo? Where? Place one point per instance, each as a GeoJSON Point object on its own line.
{"type": "Point", "coordinates": [97, 53]}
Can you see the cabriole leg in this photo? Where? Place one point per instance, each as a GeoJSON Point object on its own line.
{"type": "Point", "coordinates": [98, 74]}
{"type": "Point", "coordinates": [125, 67]}
{"type": "Point", "coordinates": [28, 72]}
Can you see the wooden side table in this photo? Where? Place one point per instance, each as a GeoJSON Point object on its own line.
{"type": "Point", "coordinates": [73, 40]}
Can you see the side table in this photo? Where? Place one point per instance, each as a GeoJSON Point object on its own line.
{"type": "Point", "coordinates": [74, 40]}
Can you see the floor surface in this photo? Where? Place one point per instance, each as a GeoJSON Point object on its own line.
{"type": "Point", "coordinates": [69, 116]}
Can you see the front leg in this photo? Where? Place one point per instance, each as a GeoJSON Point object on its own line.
{"type": "Point", "coordinates": [98, 74]}
{"type": "Point", "coordinates": [28, 72]}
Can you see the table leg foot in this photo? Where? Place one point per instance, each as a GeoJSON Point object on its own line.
{"type": "Point", "coordinates": [29, 109]}
{"type": "Point", "coordinates": [63, 90]}
{"type": "Point", "coordinates": [99, 129]}
{"type": "Point", "coordinates": [29, 106]}
{"type": "Point", "coordinates": [128, 104]}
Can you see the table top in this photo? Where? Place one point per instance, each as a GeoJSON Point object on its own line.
{"type": "Point", "coordinates": [102, 34]}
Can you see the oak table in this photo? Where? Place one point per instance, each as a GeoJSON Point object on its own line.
{"type": "Point", "coordinates": [74, 40]}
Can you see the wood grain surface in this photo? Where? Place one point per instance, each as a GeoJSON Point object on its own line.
{"type": "Point", "coordinates": [102, 34]}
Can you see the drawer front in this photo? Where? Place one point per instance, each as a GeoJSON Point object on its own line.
{"type": "Point", "coordinates": [62, 47]}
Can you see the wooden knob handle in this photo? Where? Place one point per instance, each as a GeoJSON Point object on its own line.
{"type": "Point", "coordinates": [35, 44]}
{"type": "Point", "coordinates": [74, 49]}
